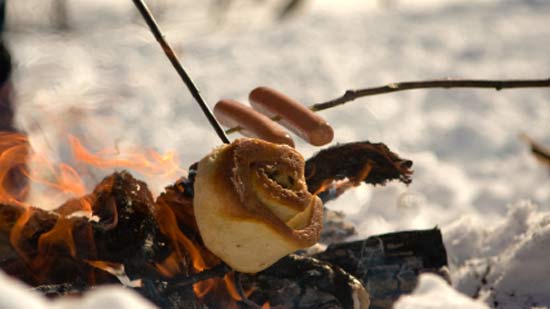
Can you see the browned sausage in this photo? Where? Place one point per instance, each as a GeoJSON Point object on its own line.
{"type": "Point", "coordinates": [294, 116]}
{"type": "Point", "coordinates": [231, 113]}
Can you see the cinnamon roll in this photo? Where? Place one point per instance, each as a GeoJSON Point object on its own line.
{"type": "Point", "coordinates": [252, 205]}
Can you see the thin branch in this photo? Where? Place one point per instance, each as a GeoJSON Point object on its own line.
{"type": "Point", "coordinates": [150, 20]}
{"type": "Point", "coordinates": [539, 151]}
{"type": "Point", "coordinates": [351, 95]}
{"type": "Point", "coordinates": [217, 271]}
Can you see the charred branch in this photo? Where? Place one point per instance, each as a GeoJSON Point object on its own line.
{"type": "Point", "coordinates": [372, 163]}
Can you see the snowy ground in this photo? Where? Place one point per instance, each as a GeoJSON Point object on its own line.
{"type": "Point", "coordinates": [108, 83]}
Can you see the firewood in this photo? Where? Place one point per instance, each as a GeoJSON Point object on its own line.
{"type": "Point", "coordinates": [27, 258]}
{"type": "Point", "coordinates": [389, 265]}
{"type": "Point", "coordinates": [304, 282]}
{"type": "Point", "coordinates": [42, 247]}
{"type": "Point", "coordinates": [62, 252]}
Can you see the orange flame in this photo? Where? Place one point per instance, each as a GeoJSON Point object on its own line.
{"type": "Point", "coordinates": [149, 162]}
{"type": "Point", "coordinates": [223, 290]}
{"type": "Point", "coordinates": [338, 187]}
{"type": "Point", "coordinates": [56, 180]}
{"type": "Point", "coordinates": [14, 153]}
{"type": "Point", "coordinates": [17, 230]}
{"type": "Point", "coordinates": [180, 243]}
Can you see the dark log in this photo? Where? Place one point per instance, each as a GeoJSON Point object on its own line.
{"type": "Point", "coordinates": [59, 247]}
{"type": "Point", "coordinates": [389, 265]}
{"type": "Point", "coordinates": [303, 282]}
{"type": "Point", "coordinates": [160, 293]}
{"type": "Point", "coordinates": [26, 259]}
{"type": "Point", "coordinates": [127, 231]}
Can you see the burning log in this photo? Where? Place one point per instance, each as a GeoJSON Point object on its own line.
{"type": "Point", "coordinates": [387, 266]}
{"type": "Point", "coordinates": [372, 163]}
{"type": "Point", "coordinates": [28, 252]}
{"type": "Point", "coordinates": [85, 239]}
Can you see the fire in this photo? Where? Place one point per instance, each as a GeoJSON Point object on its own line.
{"type": "Point", "coordinates": [223, 290]}
{"type": "Point", "coordinates": [148, 162]}
{"type": "Point", "coordinates": [17, 230]}
{"type": "Point", "coordinates": [338, 187]}
{"type": "Point", "coordinates": [24, 171]}
{"type": "Point", "coordinates": [14, 153]}
{"type": "Point", "coordinates": [21, 169]}
{"type": "Point", "coordinates": [181, 244]}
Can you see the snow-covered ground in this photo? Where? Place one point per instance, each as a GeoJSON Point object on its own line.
{"type": "Point", "coordinates": [107, 82]}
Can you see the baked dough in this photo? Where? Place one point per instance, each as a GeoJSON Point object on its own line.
{"type": "Point", "coordinates": [252, 205]}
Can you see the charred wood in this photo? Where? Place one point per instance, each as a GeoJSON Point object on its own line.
{"type": "Point", "coordinates": [56, 290]}
{"type": "Point", "coordinates": [304, 282]}
{"type": "Point", "coordinates": [22, 255]}
{"type": "Point", "coordinates": [65, 252]}
{"type": "Point", "coordinates": [372, 163]}
{"type": "Point", "coordinates": [389, 265]}
{"type": "Point", "coordinates": [64, 246]}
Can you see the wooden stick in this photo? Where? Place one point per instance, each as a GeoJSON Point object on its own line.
{"type": "Point", "coordinates": [217, 271]}
{"type": "Point", "coordinates": [351, 95]}
{"type": "Point", "coordinates": [153, 26]}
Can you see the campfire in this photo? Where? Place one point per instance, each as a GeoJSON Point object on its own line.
{"type": "Point", "coordinates": [121, 234]}
{"type": "Point", "coordinates": [247, 226]}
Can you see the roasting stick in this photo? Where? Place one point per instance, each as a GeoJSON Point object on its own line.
{"type": "Point", "coordinates": [351, 95]}
{"type": "Point", "coordinates": [153, 26]}
{"type": "Point", "coordinates": [221, 268]}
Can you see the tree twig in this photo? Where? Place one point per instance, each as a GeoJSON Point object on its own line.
{"type": "Point", "coordinates": [351, 95]}
{"type": "Point", "coordinates": [217, 271]}
{"type": "Point", "coordinates": [149, 19]}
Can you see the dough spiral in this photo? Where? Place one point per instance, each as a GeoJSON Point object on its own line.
{"type": "Point", "coordinates": [252, 205]}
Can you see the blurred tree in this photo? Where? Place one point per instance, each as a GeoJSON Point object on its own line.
{"type": "Point", "coordinates": [2, 15]}
{"type": "Point", "coordinates": [60, 14]}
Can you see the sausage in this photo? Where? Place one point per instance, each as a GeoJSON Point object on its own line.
{"type": "Point", "coordinates": [231, 113]}
{"type": "Point", "coordinates": [294, 116]}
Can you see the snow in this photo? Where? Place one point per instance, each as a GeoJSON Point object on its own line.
{"type": "Point", "coordinates": [18, 296]}
{"type": "Point", "coordinates": [433, 292]}
{"type": "Point", "coordinates": [108, 83]}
